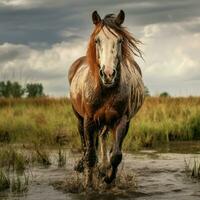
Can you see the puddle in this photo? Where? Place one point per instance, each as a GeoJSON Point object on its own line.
{"type": "Point", "coordinates": [155, 175]}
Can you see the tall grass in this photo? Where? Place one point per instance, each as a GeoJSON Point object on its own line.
{"type": "Point", "coordinates": [12, 159]}
{"type": "Point", "coordinates": [15, 183]}
{"type": "Point", "coordinates": [161, 120]}
{"type": "Point", "coordinates": [192, 168]}
{"type": "Point", "coordinates": [39, 121]}
{"type": "Point", "coordinates": [44, 120]}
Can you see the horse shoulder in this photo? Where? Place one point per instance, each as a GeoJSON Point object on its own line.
{"type": "Point", "coordinates": [134, 86]}
{"type": "Point", "coordinates": [74, 67]}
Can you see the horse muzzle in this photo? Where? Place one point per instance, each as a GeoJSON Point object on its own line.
{"type": "Point", "coordinates": [108, 76]}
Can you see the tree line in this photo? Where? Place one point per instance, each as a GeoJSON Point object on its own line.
{"type": "Point", "coordinates": [14, 89]}
{"type": "Point", "coordinates": [147, 93]}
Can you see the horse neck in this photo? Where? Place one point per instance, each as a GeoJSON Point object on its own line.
{"type": "Point", "coordinates": [93, 65]}
{"type": "Point", "coordinates": [93, 74]}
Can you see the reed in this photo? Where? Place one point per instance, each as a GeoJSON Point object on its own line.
{"type": "Point", "coordinates": [13, 159]}
{"type": "Point", "coordinates": [192, 168]}
{"type": "Point", "coordinates": [45, 120]}
{"type": "Point", "coordinates": [13, 182]}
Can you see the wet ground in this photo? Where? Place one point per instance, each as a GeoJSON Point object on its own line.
{"type": "Point", "coordinates": [157, 175]}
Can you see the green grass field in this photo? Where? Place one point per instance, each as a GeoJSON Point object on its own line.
{"type": "Point", "coordinates": [43, 121]}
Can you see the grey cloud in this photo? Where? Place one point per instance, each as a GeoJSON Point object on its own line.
{"type": "Point", "coordinates": [42, 75]}
{"type": "Point", "coordinates": [29, 74]}
{"type": "Point", "coordinates": [39, 25]}
{"type": "Point", "coordinates": [47, 65]}
{"type": "Point", "coordinates": [9, 55]}
{"type": "Point", "coordinates": [11, 52]}
{"type": "Point", "coordinates": [168, 12]}
{"type": "Point", "coordinates": [59, 87]}
{"type": "Point", "coordinates": [42, 21]}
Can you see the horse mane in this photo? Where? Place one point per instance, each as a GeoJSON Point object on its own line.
{"type": "Point", "coordinates": [129, 44]}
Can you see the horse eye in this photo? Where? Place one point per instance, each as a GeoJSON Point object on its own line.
{"type": "Point", "coordinates": [97, 41]}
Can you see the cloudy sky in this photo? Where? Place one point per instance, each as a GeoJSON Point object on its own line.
{"type": "Point", "coordinates": [39, 39]}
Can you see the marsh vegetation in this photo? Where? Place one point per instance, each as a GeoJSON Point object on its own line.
{"type": "Point", "coordinates": [51, 122]}
{"type": "Point", "coordinates": [36, 134]}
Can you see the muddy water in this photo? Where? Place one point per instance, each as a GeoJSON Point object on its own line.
{"type": "Point", "coordinates": [158, 176]}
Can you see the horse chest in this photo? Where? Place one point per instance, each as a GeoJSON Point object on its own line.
{"type": "Point", "coordinates": [106, 115]}
{"type": "Point", "coordinates": [109, 112]}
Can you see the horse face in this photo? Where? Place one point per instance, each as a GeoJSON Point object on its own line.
{"type": "Point", "coordinates": [108, 50]}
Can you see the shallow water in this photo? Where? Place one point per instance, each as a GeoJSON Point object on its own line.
{"type": "Point", "coordinates": [158, 176]}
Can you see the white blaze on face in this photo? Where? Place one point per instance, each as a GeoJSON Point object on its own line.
{"type": "Point", "coordinates": [108, 46]}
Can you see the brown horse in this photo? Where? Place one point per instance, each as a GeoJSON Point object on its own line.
{"type": "Point", "coordinates": [106, 91]}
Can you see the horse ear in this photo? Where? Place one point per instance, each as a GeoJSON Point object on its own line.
{"type": "Point", "coordinates": [120, 18]}
{"type": "Point", "coordinates": [96, 18]}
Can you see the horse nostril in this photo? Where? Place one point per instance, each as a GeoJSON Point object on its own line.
{"type": "Point", "coordinates": [101, 73]}
{"type": "Point", "coordinates": [114, 73]}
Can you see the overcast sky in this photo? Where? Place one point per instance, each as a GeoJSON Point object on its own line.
{"type": "Point", "coordinates": [39, 39]}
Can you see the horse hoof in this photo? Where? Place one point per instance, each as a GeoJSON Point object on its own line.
{"type": "Point", "coordinates": [108, 180]}
{"type": "Point", "coordinates": [110, 177]}
{"type": "Point", "coordinates": [79, 167]}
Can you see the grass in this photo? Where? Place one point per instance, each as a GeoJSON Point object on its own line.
{"type": "Point", "coordinates": [18, 159]}
{"type": "Point", "coordinates": [19, 184]}
{"type": "Point", "coordinates": [37, 121]}
{"type": "Point", "coordinates": [162, 120]}
{"type": "Point", "coordinates": [61, 158]}
{"type": "Point", "coordinates": [15, 183]}
{"type": "Point", "coordinates": [192, 168]}
{"type": "Point", "coordinates": [51, 122]}
{"type": "Point", "coordinates": [196, 169]}
{"type": "Point", "coordinates": [13, 159]}
{"type": "Point", "coordinates": [4, 181]}
{"type": "Point", "coordinates": [42, 156]}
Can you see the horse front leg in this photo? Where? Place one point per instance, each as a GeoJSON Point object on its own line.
{"type": "Point", "coordinates": [104, 157]}
{"type": "Point", "coordinates": [90, 154]}
{"type": "Point", "coordinates": [120, 132]}
{"type": "Point", "coordinates": [79, 167]}
{"type": "Point", "coordinates": [103, 151]}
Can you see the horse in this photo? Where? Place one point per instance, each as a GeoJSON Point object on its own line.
{"type": "Point", "coordinates": [106, 91]}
